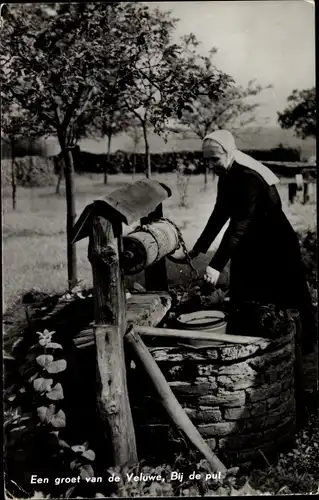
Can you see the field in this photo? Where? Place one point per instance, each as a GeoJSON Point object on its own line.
{"type": "Point", "coordinates": [34, 236]}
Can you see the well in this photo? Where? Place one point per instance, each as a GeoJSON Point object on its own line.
{"type": "Point", "coordinates": [240, 397]}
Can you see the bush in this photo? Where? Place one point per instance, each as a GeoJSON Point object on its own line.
{"type": "Point", "coordinates": [280, 154]}
{"type": "Point", "coordinates": [31, 171]}
{"type": "Point", "coordinates": [23, 147]}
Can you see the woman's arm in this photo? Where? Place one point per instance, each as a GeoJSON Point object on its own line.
{"type": "Point", "coordinates": [248, 198]}
{"type": "Point", "coordinates": [218, 218]}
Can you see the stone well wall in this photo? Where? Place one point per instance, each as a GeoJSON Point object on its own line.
{"type": "Point", "coordinates": [240, 397]}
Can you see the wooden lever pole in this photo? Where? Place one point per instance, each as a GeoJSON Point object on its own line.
{"type": "Point", "coordinates": [169, 401]}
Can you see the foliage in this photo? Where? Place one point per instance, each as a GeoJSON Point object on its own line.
{"type": "Point", "coordinates": [34, 417]}
{"type": "Point", "coordinates": [56, 63]}
{"type": "Point", "coordinates": [234, 109]}
{"type": "Point", "coordinates": [166, 77]}
{"type": "Point", "coordinates": [54, 66]}
{"type": "Point", "coordinates": [300, 113]}
{"type": "Point", "coordinates": [308, 245]}
{"type": "Point", "coordinates": [30, 171]}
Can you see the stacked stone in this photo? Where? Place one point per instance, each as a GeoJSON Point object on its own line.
{"type": "Point", "coordinates": [240, 397]}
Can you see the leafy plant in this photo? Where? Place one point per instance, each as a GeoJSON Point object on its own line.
{"type": "Point", "coordinates": [301, 113]}
{"type": "Point", "coordinates": [182, 183]}
{"type": "Point", "coordinates": [39, 416]}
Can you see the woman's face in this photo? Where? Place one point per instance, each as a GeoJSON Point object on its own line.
{"type": "Point", "coordinates": [216, 157]}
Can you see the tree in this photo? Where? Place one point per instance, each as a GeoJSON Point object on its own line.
{"type": "Point", "coordinates": [301, 113]}
{"type": "Point", "coordinates": [233, 110]}
{"type": "Point", "coordinates": [53, 66]}
{"type": "Point", "coordinates": [14, 128]}
{"type": "Point", "coordinates": [110, 119]}
{"type": "Point", "coordinates": [165, 77]}
{"type": "Point", "coordinates": [10, 128]}
{"type": "Point", "coordinates": [135, 133]}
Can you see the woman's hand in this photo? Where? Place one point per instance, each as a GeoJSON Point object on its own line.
{"type": "Point", "coordinates": [211, 275]}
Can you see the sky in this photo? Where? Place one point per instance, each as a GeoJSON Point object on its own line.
{"type": "Point", "coordinates": [269, 41]}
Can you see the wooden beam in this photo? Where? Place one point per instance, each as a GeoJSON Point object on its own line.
{"type": "Point", "coordinates": [196, 335]}
{"type": "Point", "coordinates": [169, 401]}
{"type": "Point", "coordinates": [109, 315]}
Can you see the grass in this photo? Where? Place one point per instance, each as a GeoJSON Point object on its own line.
{"type": "Point", "coordinates": [34, 236]}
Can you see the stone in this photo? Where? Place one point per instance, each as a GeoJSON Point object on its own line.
{"type": "Point", "coordinates": [263, 392]}
{"type": "Point", "coordinates": [240, 441]}
{"type": "Point", "coordinates": [225, 398]}
{"type": "Point", "coordinates": [237, 351]}
{"type": "Point", "coordinates": [242, 369]}
{"type": "Point", "coordinates": [236, 413]}
{"type": "Point", "coordinates": [258, 409]}
{"type": "Point", "coordinates": [289, 380]}
{"type": "Point", "coordinates": [186, 388]}
{"type": "Point", "coordinates": [272, 419]}
{"type": "Point", "coordinates": [173, 355]}
{"type": "Point", "coordinates": [273, 358]}
{"type": "Point", "coordinates": [206, 369]}
{"type": "Point", "coordinates": [288, 424]}
{"type": "Point", "coordinates": [205, 415]}
{"type": "Point", "coordinates": [232, 382]}
{"type": "Point", "coordinates": [276, 400]}
{"type": "Point", "coordinates": [218, 429]}
{"type": "Point", "coordinates": [211, 443]}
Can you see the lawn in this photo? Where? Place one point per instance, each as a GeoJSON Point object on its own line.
{"type": "Point", "coordinates": [34, 236]}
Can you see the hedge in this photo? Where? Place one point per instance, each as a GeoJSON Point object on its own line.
{"type": "Point", "coordinates": [85, 162]}
{"type": "Point", "coordinates": [31, 171]}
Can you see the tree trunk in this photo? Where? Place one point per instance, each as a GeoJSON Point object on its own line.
{"type": "Point", "coordinates": [148, 170]}
{"type": "Point", "coordinates": [134, 166]}
{"type": "Point", "coordinates": [57, 189]}
{"type": "Point", "coordinates": [205, 175]}
{"type": "Point", "coordinates": [13, 179]}
{"type": "Point", "coordinates": [108, 158]}
{"type": "Point", "coordinates": [70, 211]}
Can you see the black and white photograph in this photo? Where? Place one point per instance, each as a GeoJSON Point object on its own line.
{"type": "Point", "coordinates": [159, 237]}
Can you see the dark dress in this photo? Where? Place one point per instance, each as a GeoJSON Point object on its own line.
{"type": "Point", "coordinates": [263, 248]}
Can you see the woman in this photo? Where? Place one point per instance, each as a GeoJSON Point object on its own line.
{"type": "Point", "coordinates": [263, 249]}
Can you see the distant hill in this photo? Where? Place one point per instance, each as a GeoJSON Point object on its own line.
{"type": "Point", "coordinates": [249, 138]}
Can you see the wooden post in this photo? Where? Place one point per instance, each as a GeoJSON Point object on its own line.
{"type": "Point", "coordinates": [292, 192]}
{"type": "Point", "coordinates": [110, 324]}
{"type": "Point", "coordinates": [156, 275]}
{"type": "Point", "coordinates": [170, 403]}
